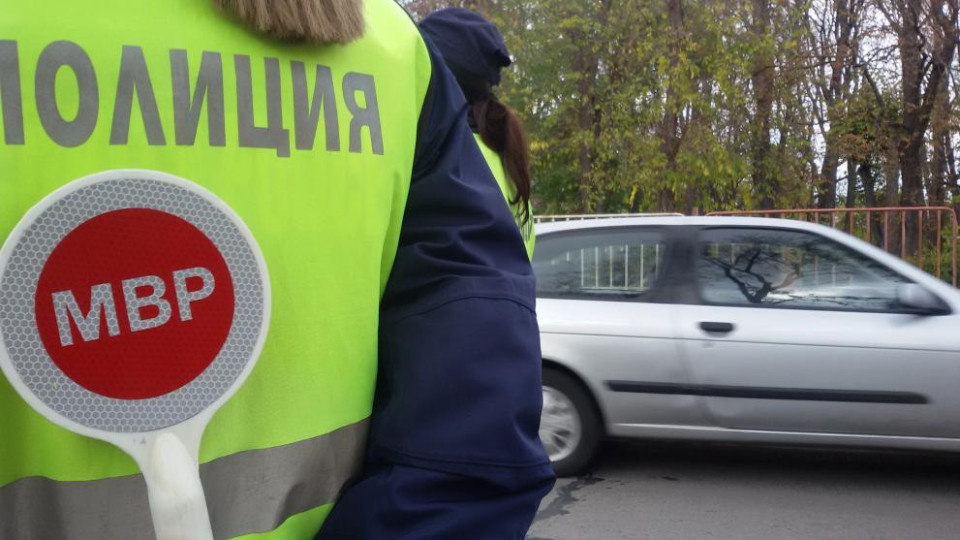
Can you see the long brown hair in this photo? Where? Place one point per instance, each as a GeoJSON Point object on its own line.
{"type": "Point", "coordinates": [315, 21]}
{"type": "Point", "coordinates": [500, 129]}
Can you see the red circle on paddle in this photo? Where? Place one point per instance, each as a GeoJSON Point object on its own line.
{"type": "Point", "coordinates": [134, 303]}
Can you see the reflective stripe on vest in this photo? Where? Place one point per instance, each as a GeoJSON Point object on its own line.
{"type": "Point", "coordinates": [312, 146]}
{"type": "Point", "coordinates": [247, 492]}
{"type": "Point", "coordinates": [509, 193]}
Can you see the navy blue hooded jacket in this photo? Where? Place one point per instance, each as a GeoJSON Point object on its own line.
{"type": "Point", "coordinates": [453, 450]}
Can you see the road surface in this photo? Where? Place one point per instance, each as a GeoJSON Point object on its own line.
{"type": "Point", "coordinates": [689, 491]}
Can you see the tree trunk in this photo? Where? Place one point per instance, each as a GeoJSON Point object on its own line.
{"type": "Point", "coordinates": [940, 138]}
{"type": "Point", "coordinates": [869, 183]}
{"type": "Point", "coordinates": [851, 183]}
{"type": "Point", "coordinates": [762, 78]}
{"type": "Point", "coordinates": [586, 65]}
{"type": "Point", "coordinates": [836, 92]}
{"type": "Point", "coordinates": [918, 99]}
{"type": "Point", "coordinates": [953, 180]}
{"type": "Point", "coordinates": [670, 127]}
{"type": "Point", "coordinates": [891, 172]}
{"type": "Point", "coordinates": [911, 73]}
{"type": "Point", "coordinates": [827, 190]}
{"type": "Point", "coordinates": [585, 126]}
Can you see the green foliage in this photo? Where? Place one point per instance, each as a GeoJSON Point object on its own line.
{"type": "Point", "coordinates": [629, 110]}
{"type": "Point", "coordinates": [648, 105]}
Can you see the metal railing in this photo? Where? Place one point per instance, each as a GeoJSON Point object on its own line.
{"type": "Point", "coordinates": [934, 226]}
{"type": "Point", "coordinates": [576, 217]}
{"type": "Point", "coordinates": [617, 263]}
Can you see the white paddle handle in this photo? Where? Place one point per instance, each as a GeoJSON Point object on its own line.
{"type": "Point", "coordinates": [177, 504]}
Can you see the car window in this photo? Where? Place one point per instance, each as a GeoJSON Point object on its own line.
{"type": "Point", "coordinates": [780, 268]}
{"type": "Point", "coordinates": [608, 263]}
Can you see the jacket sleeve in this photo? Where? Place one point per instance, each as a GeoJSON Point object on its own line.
{"type": "Point", "coordinates": [453, 449]}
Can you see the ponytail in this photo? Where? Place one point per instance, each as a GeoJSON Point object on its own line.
{"type": "Point", "coordinates": [315, 21]}
{"type": "Point", "coordinates": [500, 129]}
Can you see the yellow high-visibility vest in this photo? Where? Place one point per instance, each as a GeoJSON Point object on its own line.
{"type": "Point", "coordinates": [313, 147]}
{"type": "Point", "coordinates": [510, 194]}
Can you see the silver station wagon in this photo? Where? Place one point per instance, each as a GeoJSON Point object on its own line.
{"type": "Point", "coordinates": [738, 329]}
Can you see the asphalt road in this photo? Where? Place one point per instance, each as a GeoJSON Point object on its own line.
{"type": "Point", "coordinates": [686, 492]}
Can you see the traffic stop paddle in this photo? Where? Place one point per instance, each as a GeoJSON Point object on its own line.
{"type": "Point", "coordinates": [133, 304]}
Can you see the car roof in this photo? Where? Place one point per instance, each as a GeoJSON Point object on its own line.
{"type": "Point", "coordinates": [587, 222]}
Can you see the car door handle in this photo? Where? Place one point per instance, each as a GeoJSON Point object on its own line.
{"type": "Point", "coordinates": [717, 327]}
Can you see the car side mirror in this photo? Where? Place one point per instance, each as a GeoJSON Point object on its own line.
{"type": "Point", "coordinates": [920, 301]}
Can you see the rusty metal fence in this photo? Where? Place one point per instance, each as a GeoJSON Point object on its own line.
{"type": "Point", "coordinates": [921, 235]}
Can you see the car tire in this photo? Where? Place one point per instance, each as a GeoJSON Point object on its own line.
{"type": "Point", "coordinates": [570, 425]}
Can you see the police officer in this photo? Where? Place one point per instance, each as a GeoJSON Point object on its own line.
{"type": "Point", "coordinates": [474, 50]}
{"type": "Point", "coordinates": [401, 375]}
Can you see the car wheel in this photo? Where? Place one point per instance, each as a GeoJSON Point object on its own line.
{"type": "Point", "coordinates": [570, 427]}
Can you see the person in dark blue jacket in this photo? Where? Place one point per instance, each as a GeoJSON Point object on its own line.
{"type": "Point", "coordinates": [475, 52]}
{"type": "Point", "coordinates": [453, 449]}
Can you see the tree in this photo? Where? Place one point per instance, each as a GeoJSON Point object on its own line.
{"type": "Point", "coordinates": [923, 68]}
{"type": "Point", "coordinates": [762, 78]}
{"type": "Point", "coordinates": [663, 105]}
